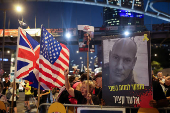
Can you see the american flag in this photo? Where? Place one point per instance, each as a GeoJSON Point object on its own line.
{"type": "Point", "coordinates": [27, 58]}
{"type": "Point", "coordinates": [53, 60]}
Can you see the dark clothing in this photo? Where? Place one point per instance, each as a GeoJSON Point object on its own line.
{"type": "Point", "coordinates": [35, 93]}
{"type": "Point", "coordinates": [158, 93]}
{"type": "Point", "coordinates": [64, 98]}
{"type": "Point", "coordinates": [5, 85]}
{"type": "Point", "coordinates": [27, 97]}
{"type": "Point", "coordinates": [49, 100]}
{"type": "Point", "coordinates": [81, 100]}
{"type": "Point", "coordinates": [14, 103]}
{"type": "Point", "coordinates": [98, 93]}
{"type": "Point", "coordinates": [43, 99]}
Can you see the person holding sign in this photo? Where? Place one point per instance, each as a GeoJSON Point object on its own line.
{"type": "Point", "coordinates": [81, 96]}
{"type": "Point", "coordinates": [122, 59]}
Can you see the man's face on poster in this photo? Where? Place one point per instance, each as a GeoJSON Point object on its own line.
{"type": "Point", "coordinates": [122, 60]}
{"type": "Point", "coordinates": [86, 37]}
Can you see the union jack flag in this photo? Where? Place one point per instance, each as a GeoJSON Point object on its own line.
{"type": "Point", "coordinates": [27, 58]}
{"type": "Point", "coordinates": [53, 60]}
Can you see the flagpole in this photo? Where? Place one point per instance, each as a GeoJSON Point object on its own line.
{"type": "Point", "coordinates": [35, 22]}
{"type": "Point", "coordinates": [88, 70]}
{"type": "Point", "coordinates": [38, 96]}
{"type": "Point", "coordinates": [13, 96]}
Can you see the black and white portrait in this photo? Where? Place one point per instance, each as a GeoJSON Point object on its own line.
{"type": "Point", "coordinates": [126, 61]}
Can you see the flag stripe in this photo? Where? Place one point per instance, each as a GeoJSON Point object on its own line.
{"type": "Point", "coordinates": [25, 54]}
{"type": "Point", "coordinates": [22, 75]}
{"type": "Point", "coordinates": [49, 76]}
{"type": "Point", "coordinates": [47, 83]}
{"type": "Point", "coordinates": [59, 66]}
{"type": "Point", "coordinates": [62, 60]}
{"type": "Point", "coordinates": [64, 46]}
{"type": "Point", "coordinates": [49, 68]}
{"type": "Point", "coordinates": [62, 56]}
{"type": "Point", "coordinates": [26, 48]}
{"type": "Point", "coordinates": [64, 53]}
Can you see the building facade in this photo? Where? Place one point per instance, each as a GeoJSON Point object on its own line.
{"type": "Point", "coordinates": [118, 17]}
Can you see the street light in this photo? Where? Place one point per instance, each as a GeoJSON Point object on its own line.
{"type": "Point", "coordinates": [19, 9]}
{"type": "Point", "coordinates": [126, 33]}
{"type": "Point", "coordinates": [68, 35]}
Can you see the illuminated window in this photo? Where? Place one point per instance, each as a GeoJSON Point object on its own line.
{"type": "Point", "coordinates": [80, 57]}
{"type": "Point", "coordinates": [81, 61]}
{"type": "Point", "coordinates": [4, 59]}
{"type": "Point", "coordinates": [117, 23]}
{"type": "Point", "coordinates": [129, 23]}
{"type": "Point", "coordinates": [90, 61]}
{"type": "Point", "coordinates": [91, 57]}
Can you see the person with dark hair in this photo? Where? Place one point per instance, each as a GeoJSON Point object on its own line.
{"type": "Point", "coordinates": [6, 84]}
{"type": "Point", "coordinates": [98, 79]}
{"type": "Point", "coordinates": [43, 99]}
{"type": "Point", "coordinates": [71, 80]}
{"type": "Point", "coordinates": [64, 97]}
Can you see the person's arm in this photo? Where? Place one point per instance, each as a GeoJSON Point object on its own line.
{"type": "Point", "coordinates": [44, 94]}
{"type": "Point", "coordinates": [159, 103]}
{"type": "Point", "coordinates": [27, 88]}
{"type": "Point", "coordinates": [69, 89]}
{"type": "Point", "coordinates": [168, 98]}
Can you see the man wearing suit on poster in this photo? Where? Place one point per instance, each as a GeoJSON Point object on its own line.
{"type": "Point", "coordinates": [122, 59]}
{"type": "Point", "coordinates": [86, 41]}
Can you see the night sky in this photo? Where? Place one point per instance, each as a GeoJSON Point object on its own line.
{"type": "Point", "coordinates": [70, 15]}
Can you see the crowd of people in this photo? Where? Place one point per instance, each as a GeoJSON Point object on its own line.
{"type": "Point", "coordinates": [78, 91]}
